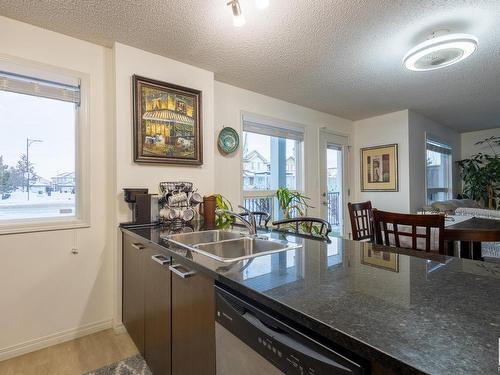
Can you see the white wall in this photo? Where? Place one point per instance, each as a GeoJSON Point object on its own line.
{"type": "Point", "coordinates": [47, 294]}
{"type": "Point", "coordinates": [127, 62]}
{"type": "Point", "coordinates": [421, 127]}
{"type": "Point", "coordinates": [231, 102]}
{"type": "Point", "coordinates": [469, 139]}
{"type": "Point", "coordinates": [382, 130]}
{"type": "Point", "coordinates": [130, 61]}
{"type": "Point", "coordinates": [408, 129]}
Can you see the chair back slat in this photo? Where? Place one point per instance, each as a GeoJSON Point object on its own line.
{"type": "Point", "coordinates": [409, 230]}
{"type": "Point", "coordinates": [307, 224]}
{"type": "Point", "coordinates": [261, 217]}
{"type": "Point", "coordinates": [360, 215]}
{"type": "Point", "coordinates": [396, 235]}
{"type": "Point", "coordinates": [414, 236]}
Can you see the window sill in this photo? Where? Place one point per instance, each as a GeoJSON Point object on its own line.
{"type": "Point", "coordinates": [29, 226]}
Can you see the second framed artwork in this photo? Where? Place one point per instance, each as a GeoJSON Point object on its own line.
{"type": "Point", "coordinates": [379, 168]}
{"type": "Point", "coordinates": [380, 259]}
{"type": "Point", "coordinates": [167, 123]}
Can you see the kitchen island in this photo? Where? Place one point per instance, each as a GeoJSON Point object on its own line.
{"type": "Point", "coordinates": [408, 312]}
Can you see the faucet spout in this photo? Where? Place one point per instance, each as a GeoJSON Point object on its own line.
{"type": "Point", "coordinates": [249, 223]}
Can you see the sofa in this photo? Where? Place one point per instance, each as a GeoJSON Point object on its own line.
{"type": "Point", "coordinates": [451, 205]}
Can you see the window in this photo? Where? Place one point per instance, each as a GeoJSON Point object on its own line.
{"type": "Point", "coordinates": [39, 174]}
{"type": "Point", "coordinates": [438, 172]}
{"type": "Point", "coordinates": [272, 157]}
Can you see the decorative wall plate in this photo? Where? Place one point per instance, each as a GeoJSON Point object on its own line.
{"type": "Point", "coordinates": [229, 140]}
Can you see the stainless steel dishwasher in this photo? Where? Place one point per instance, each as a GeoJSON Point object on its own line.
{"type": "Point", "coordinates": [252, 342]}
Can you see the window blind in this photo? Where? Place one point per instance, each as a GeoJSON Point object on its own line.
{"type": "Point", "coordinates": [22, 84]}
{"type": "Point", "coordinates": [273, 131]}
{"type": "Point", "coordinates": [438, 147]}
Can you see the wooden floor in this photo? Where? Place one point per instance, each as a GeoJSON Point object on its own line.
{"type": "Point", "coordinates": [74, 357]}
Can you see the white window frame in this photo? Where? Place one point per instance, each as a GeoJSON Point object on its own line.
{"type": "Point", "coordinates": [82, 149]}
{"type": "Point", "coordinates": [280, 124]}
{"type": "Point", "coordinates": [436, 140]}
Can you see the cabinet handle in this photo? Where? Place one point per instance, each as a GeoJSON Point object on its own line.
{"type": "Point", "coordinates": [138, 246]}
{"type": "Point", "coordinates": [161, 259]}
{"type": "Point", "coordinates": [184, 275]}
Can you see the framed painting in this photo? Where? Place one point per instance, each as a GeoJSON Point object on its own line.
{"type": "Point", "coordinates": [380, 259]}
{"type": "Point", "coordinates": [379, 168]}
{"type": "Point", "coordinates": [167, 123]}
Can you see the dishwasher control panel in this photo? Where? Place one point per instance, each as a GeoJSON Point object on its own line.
{"type": "Point", "coordinates": [286, 348]}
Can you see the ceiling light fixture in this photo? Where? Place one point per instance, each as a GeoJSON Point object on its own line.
{"type": "Point", "coordinates": [440, 50]}
{"type": "Point", "coordinates": [261, 4]}
{"type": "Point", "coordinates": [238, 17]}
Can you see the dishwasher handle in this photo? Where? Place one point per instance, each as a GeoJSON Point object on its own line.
{"type": "Point", "coordinates": [293, 344]}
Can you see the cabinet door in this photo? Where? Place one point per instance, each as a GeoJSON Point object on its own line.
{"type": "Point", "coordinates": [193, 323]}
{"type": "Point", "coordinates": [133, 290]}
{"type": "Point", "coordinates": [157, 296]}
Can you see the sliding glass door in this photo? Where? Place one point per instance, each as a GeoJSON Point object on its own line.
{"type": "Point", "coordinates": [333, 180]}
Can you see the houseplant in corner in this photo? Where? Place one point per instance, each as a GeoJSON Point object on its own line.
{"type": "Point", "coordinates": [290, 201]}
{"type": "Point", "coordinates": [481, 174]}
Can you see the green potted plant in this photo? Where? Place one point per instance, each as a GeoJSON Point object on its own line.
{"type": "Point", "coordinates": [288, 201]}
{"type": "Point", "coordinates": [481, 173]}
{"type": "Point", "coordinates": [291, 200]}
{"type": "Point", "coordinates": [223, 220]}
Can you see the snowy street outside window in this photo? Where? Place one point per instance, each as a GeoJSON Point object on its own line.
{"type": "Point", "coordinates": [37, 157]}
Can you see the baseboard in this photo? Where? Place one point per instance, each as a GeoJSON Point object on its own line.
{"type": "Point", "coordinates": [119, 328]}
{"type": "Point", "coordinates": [56, 338]}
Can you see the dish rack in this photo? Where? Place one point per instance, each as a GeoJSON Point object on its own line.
{"type": "Point", "coordinates": [178, 201]}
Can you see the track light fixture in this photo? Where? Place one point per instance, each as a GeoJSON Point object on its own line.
{"type": "Point", "coordinates": [238, 17]}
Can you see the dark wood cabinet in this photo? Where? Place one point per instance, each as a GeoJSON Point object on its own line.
{"type": "Point", "coordinates": [133, 290]}
{"type": "Point", "coordinates": [157, 302]}
{"type": "Point", "coordinates": [168, 311]}
{"type": "Point", "coordinates": [193, 322]}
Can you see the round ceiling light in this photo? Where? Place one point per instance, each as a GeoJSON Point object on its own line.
{"type": "Point", "coordinates": [440, 51]}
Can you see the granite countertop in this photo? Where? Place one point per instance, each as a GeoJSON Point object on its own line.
{"type": "Point", "coordinates": [411, 313]}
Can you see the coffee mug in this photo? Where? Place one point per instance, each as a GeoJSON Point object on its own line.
{"type": "Point", "coordinates": [177, 198]}
{"type": "Point", "coordinates": [174, 214]}
{"type": "Point", "coordinates": [165, 213]}
{"type": "Point", "coordinates": [196, 199]}
{"type": "Point", "coordinates": [188, 214]}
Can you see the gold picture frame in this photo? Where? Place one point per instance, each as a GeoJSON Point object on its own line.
{"type": "Point", "coordinates": [380, 259]}
{"type": "Point", "coordinates": [167, 123]}
{"type": "Point", "coordinates": [379, 168]}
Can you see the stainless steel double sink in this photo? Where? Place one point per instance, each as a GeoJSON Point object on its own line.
{"type": "Point", "coordinates": [226, 246]}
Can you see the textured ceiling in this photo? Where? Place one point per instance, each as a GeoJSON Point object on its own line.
{"type": "Point", "coordinates": [338, 56]}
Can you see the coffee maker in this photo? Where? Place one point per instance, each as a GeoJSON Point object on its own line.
{"type": "Point", "coordinates": [144, 205]}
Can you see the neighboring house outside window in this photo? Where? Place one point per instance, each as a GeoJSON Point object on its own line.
{"type": "Point", "coordinates": [271, 158]}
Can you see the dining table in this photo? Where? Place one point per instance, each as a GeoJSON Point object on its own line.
{"type": "Point", "coordinates": [469, 232]}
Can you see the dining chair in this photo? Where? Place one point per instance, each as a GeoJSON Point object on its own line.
{"type": "Point", "coordinates": [261, 217]}
{"type": "Point", "coordinates": [361, 221]}
{"type": "Point", "coordinates": [313, 226]}
{"type": "Point", "coordinates": [417, 232]}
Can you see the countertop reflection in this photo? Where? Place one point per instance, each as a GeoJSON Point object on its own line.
{"type": "Point", "coordinates": [438, 315]}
